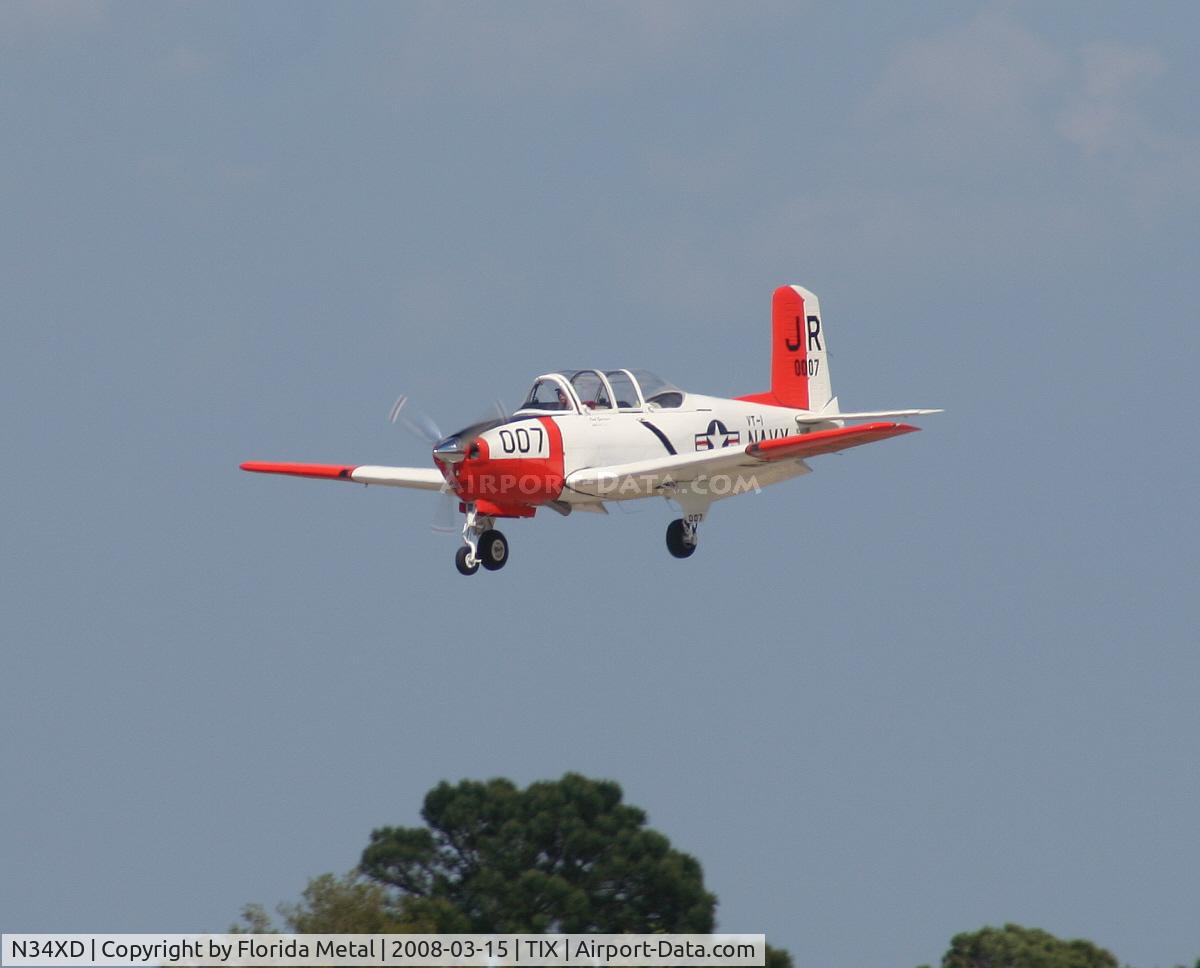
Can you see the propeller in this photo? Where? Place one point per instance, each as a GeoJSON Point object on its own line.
{"type": "Point", "coordinates": [446, 516]}
{"type": "Point", "coordinates": [416, 422]}
{"type": "Point", "coordinates": [419, 424]}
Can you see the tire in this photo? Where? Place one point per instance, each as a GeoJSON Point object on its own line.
{"type": "Point", "coordinates": [460, 562]}
{"type": "Point", "coordinates": [493, 550]}
{"type": "Point", "coordinates": [675, 543]}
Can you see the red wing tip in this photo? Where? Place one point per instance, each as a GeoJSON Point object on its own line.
{"type": "Point", "coordinates": [881, 425]}
{"type": "Point", "coordinates": [890, 428]}
{"type": "Point", "coordinates": [333, 471]}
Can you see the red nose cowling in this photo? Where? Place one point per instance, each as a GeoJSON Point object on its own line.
{"type": "Point", "coordinates": [509, 487]}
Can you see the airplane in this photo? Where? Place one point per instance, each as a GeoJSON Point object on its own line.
{"type": "Point", "coordinates": [585, 438]}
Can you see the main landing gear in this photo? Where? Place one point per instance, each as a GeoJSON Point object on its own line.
{"type": "Point", "coordinates": [682, 537]}
{"type": "Point", "coordinates": [493, 550]}
{"type": "Point", "coordinates": [484, 545]}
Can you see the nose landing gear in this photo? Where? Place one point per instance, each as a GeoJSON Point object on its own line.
{"type": "Point", "coordinates": [484, 545]}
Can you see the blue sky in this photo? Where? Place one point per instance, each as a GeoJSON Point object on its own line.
{"type": "Point", "coordinates": [942, 682]}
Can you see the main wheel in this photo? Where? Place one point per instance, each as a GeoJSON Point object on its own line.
{"type": "Point", "coordinates": [493, 550]}
{"type": "Point", "coordinates": [460, 562]}
{"type": "Point", "coordinates": [676, 544]}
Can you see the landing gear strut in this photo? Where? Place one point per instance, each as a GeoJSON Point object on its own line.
{"type": "Point", "coordinates": [484, 545]}
{"type": "Point", "coordinates": [682, 538]}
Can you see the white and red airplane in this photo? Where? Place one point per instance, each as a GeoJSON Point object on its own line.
{"type": "Point", "coordinates": [584, 438]}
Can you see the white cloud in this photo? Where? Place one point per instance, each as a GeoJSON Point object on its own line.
{"type": "Point", "coordinates": [502, 51]}
{"type": "Point", "coordinates": [1104, 113]}
{"type": "Point", "coordinates": [993, 106]}
{"type": "Point", "coordinates": [986, 66]}
{"type": "Point", "coordinates": [977, 85]}
{"type": "Point", "coordinates": [183, 60]}
{"type": "Point", "coordinates": [25, 21]}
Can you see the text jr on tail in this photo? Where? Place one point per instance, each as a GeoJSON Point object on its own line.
{"type": "Point", "coordinates": [584, 438]}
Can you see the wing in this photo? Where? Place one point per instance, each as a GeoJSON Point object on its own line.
{"type": "Point", "coordinates": [647, 477]}
{"type": "Point", "coordinates": [423, 478]}
{"type": "Point", "coordinates": [826, 441]}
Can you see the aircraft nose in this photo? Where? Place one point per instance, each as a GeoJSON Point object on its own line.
{"type": "Point", "coordinates": [449, 450]}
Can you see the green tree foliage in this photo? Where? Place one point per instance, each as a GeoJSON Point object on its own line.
{"type": "Point", "coordinates": [567, 856]}
{"type": "Point", "coordinates": [1016, 947]}
{"type": "Point", "coordinates": [777, 958]}
{"type": "Point", "coordinates": [563, 855]}
{"type": "Point", "coordinates": [559, 856]}
{"type": "Point", "coordinates": [344, 905]}
{"type": "Point", "coordinates": [349, 904]}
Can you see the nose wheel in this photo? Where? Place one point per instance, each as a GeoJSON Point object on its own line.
{"type": "Point", "coordinates": [484, 545]}
{"type": "Point", "coordinates": [681, 538]}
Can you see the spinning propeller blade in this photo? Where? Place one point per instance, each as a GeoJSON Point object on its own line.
{"type": "Point", "coordinates": [415, 421]}
{"type": "Point", "coordinates": [446, 518]}
{"type": "Point", "coordinates": [445, 515]}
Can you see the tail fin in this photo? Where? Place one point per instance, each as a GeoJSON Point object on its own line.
{"type": "Point", "coordinates": [799, 367]}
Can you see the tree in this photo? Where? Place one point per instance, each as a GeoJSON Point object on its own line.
{"type": "Point", "coordinates": [563, 855]}
{"type": "Point", "coordinates": [349, 904]}
{"type": "Point", "coordinates": [1016, 947]}
{"type": "Point", "coordinates": [344, 905]}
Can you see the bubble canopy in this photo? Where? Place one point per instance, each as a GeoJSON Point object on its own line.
{"type": "Point", "coordinates": [576, 391]}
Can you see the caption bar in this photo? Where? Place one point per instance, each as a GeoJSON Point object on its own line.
{"type": "Point", "coordinates": [398, 950]}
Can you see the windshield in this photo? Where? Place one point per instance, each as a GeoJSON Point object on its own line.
{"type": "Point", "coordinates": [602, 390]}
{"type": "Point", "coordinates": [658, 391]}
{"type": "Point", "coordinates": [547, 394]}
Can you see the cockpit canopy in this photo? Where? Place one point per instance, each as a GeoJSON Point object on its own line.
{"type": "Point", "coordinates": [575, 391]}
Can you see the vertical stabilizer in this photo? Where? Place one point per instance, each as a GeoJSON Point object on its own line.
{"type": "Point", "coordinates": [799, 367]}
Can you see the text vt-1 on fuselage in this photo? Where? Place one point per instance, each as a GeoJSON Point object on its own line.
{"type": "Point", "coordinates": [585, 438]}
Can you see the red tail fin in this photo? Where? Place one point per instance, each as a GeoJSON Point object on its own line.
{"type": "Point", "coordinates": [799, 372]}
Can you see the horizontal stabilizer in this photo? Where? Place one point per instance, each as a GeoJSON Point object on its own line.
{"type": "Point", "coordinates": [423, 478]}
{"type": "Point", "coordinates": [864, 415]}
